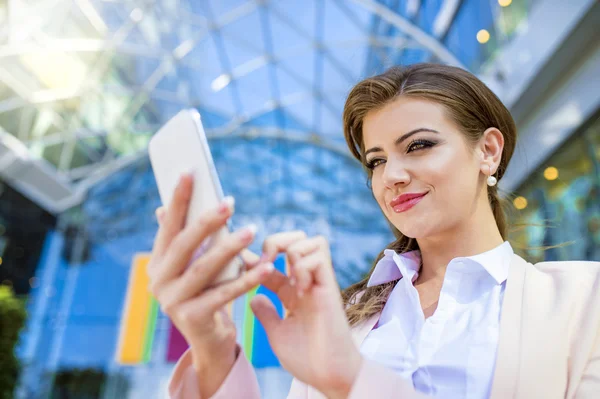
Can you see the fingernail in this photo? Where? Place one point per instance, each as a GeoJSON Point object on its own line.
{"type": "Point", "coordinates": [248, 232]}
{"type": "Point", "coordinates": [300, 293]}
{"type": "Point", "coordinates": [227, 205]}
{"type": "Point", "coordinates": [292, 281]}
{"type": "Point", "coordinates": [268, 268]}
{"type": "Point", "coordinates": [159, 213]}
{"type": "Point", "coordinates": [252, 228]}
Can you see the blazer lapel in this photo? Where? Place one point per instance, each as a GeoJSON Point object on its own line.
{"type": "Point", "coordinates": [506, 374]}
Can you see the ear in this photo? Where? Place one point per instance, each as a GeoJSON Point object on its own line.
{"type": "Point", "coordinates": [490, 149]}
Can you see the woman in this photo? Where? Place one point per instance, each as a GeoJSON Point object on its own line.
{"type": "Point", "coordinates": [447, 311]}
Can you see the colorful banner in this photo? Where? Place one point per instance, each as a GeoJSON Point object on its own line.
{"type": "Point", "coordinates": [177, 345]}
{"type": "Point", "coordinates": [140, 312]}
{"type": "Point", "coordinates": [254, 338]}
{"type": "Point", "coordinates": [138, 322]}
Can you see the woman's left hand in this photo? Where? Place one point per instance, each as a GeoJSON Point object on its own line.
{"type": "Point", "coordinates": [313, 342]}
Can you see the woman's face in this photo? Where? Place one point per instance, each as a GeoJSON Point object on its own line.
{"type": "Point", "coordinates": [426, 177]}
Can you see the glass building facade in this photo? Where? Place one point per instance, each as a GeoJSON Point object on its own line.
{"type": "Point", "coordinates": [558, 207]}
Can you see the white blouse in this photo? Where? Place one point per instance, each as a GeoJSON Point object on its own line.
{"type": "Point", "coordinates": [452, 353]}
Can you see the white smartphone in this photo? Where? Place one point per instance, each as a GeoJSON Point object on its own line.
{"type": "Point", "coordinates": [181, 146]}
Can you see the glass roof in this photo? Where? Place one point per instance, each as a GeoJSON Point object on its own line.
{"type": "Point", "coordinates": [86, 82]}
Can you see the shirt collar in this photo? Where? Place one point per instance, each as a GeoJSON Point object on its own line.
{"type": "Point", "coordinates": [394, 266]}
{"type": "Point", "coordinates": [495, 262]}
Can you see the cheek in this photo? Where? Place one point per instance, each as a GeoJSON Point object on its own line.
{"type": "Point", "coordinates": [455, 181]}
{"type": "Point", "coordinates": [378, 190]}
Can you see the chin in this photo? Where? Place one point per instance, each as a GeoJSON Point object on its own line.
{"type": "Point", "coordinates": [414, 233]}
{"type": "Point", "coordinates": [417, 229]}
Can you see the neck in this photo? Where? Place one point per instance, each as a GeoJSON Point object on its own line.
{"type": "Point", "coordinates": [477, 235]}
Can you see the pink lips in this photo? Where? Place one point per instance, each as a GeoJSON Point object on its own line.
{"type": "Point", "coordinates": [404, 202]}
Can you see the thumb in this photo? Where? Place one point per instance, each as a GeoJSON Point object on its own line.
{"type": "Point", "coordinates": [160, 214]}
{"type": "Point", "coordinates": [265, 312]}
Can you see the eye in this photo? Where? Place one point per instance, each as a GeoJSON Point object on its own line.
{"type": "Point", "coordinates": [419, 145]}
{"type": "Point", "coordinates": [373, 163]}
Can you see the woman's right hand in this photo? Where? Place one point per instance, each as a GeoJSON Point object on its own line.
{"type": "Point", "coordinates": [184, 293]}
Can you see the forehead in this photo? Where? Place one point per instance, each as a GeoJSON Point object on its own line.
{"type": "Point", "coordinates": [401, 116]}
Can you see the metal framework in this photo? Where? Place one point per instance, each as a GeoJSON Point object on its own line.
{"type": "Point", "coordinates": [84, 84]}
{"type": "Point", "coordinates": [190, 57]}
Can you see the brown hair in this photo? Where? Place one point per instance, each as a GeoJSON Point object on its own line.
{"type": "Point", "coordinates": [469, 103]}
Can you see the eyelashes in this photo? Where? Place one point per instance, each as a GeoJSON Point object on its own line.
{"type": "Point", "coordinates": [415, 145]}
{"type": "Point", "coordinates": [419, 145]}
{"type": "Point", "coordinates": [373, 163]}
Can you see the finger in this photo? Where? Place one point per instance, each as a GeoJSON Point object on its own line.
{"type": "Point", "coordinates": [305, 270]}
{"type": "Point", "coordinates": [182, 248]}
{"type": "Point", "coordinates": [175, 215]}
{"type": "Point", "coordinates": [205, 269]}
{"type": "Point", "coordinates": [160, 214]}
{"type": "Point", "coordinates": [220, 296]}
{"type": "Point", "coordinates": [280, 284]}
{"type": "Point", "coordinates": [178, 208]}
{"type": "Point", "coordinates": [297, 251]}
{"type": "Point", "coordinates": [300, 249]}
{"type": "Point", "coordinates": [214, 301]}
{"type": "Point", "coordinates": [155, 259]}
{"type": "Point", "coordinates": [250, 258]}
{"type": "Point", "coordinates": [278, 243]}
{"type": "Point", "coordinates": [266, 313]}
{"type": "Point", "coordinates": [315, 268]}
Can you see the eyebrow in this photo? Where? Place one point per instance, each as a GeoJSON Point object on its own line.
{"type": "Point", "coordinates": [400, 139]}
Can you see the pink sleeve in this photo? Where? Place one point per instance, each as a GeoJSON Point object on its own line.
{"type": "Point", "coordinates": [240, 383]}
{"type": "Point", "coordinates": [377, 381]}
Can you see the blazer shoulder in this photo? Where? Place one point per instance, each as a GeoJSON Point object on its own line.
{"type": "Point", "coordinates": [582, 274]}
{"type": "Point", "coordinates": [569, 267]}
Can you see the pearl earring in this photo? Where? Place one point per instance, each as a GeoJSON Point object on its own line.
{"type": "Point", "coordinates": [491, 180]}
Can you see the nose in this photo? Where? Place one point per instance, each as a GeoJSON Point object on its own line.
{"type": "Point", "coordinates": [395, 174]}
